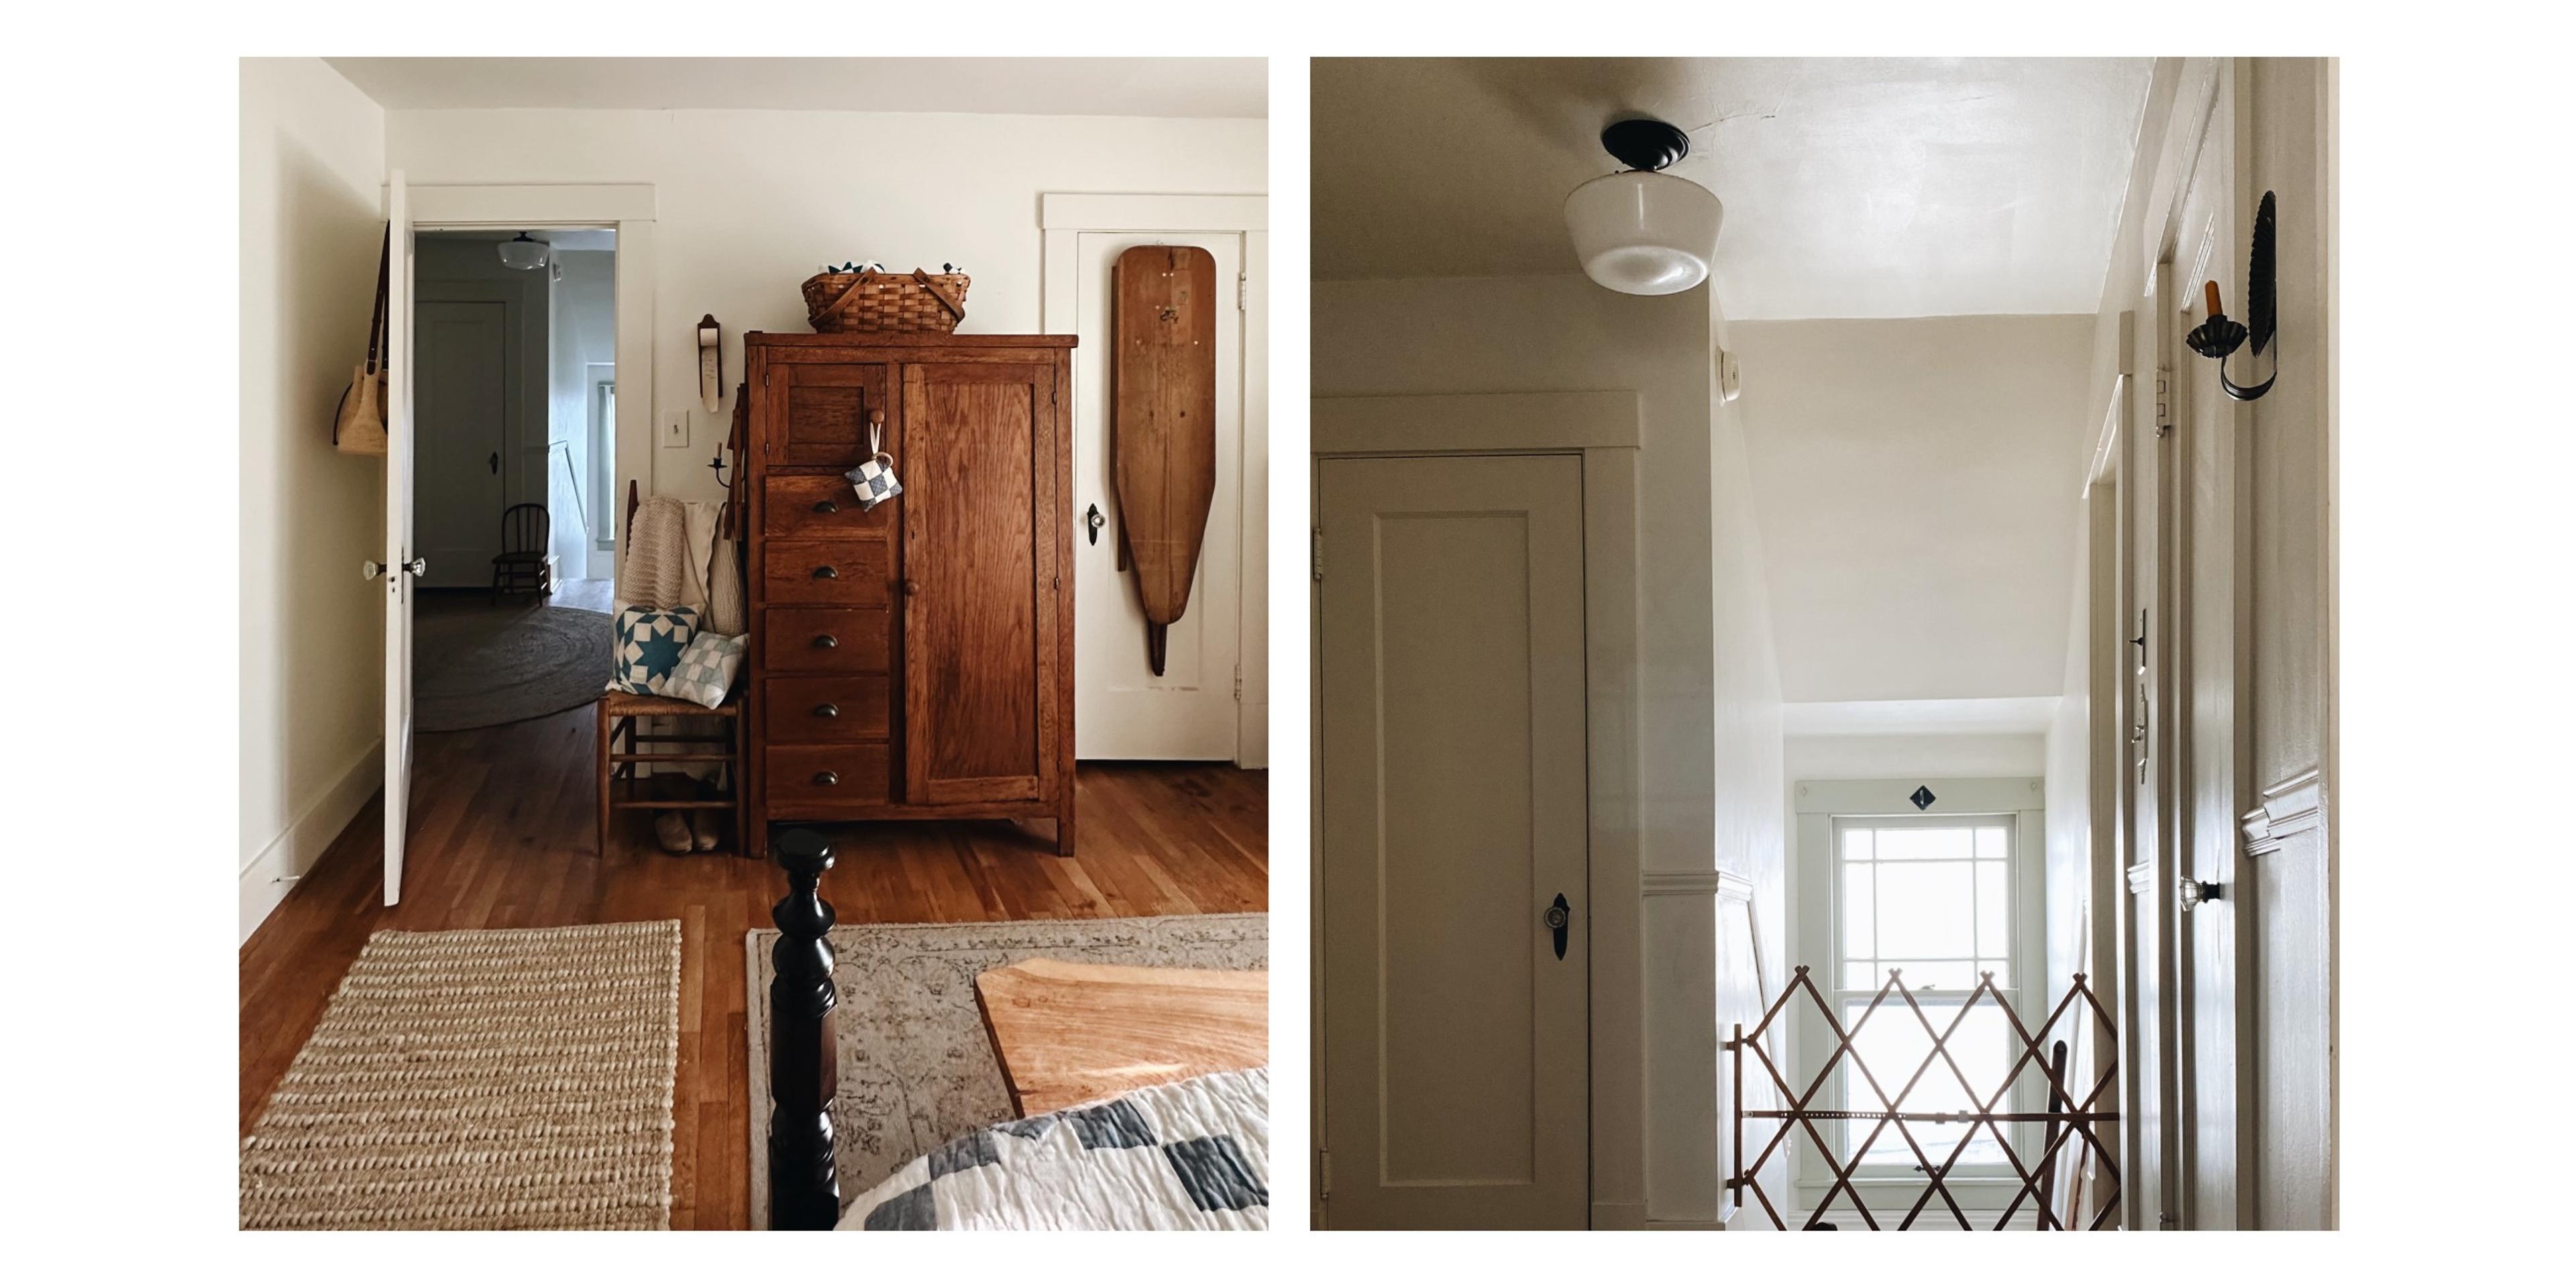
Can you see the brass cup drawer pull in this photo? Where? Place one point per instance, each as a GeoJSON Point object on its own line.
{"type": "Point", "coordinates": [826, 641]}
{"type": "Point", "coordinates": [827, 779]}
{"type": "Point", "coordinates": [827, 573]}
{"type": "Point", "coordinates": [826, 711]}
{"type": "Point", "coordinates": [827, 506]}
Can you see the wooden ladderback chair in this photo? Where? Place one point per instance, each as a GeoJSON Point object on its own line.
{"type": "Point", "coordinates": [526, 533]}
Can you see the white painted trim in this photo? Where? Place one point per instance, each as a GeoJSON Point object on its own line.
{"type": "Point", "coordinates": [2114, 431]}
{"type": "Point", "coordinates": [1888, 796]}
{"type": "Point", "coordinates": [267, 877]}
{"type": "Point", "coordinates": [1730, 886]}
{"type": "Point", "coordinates": [1532, 422]}
{"type": "Point", "coordinates": [1602, 427]}
{"type": "Point", "coordinates": [2295, 804]}
{"type": "Point", "coordinates": [532, 205]}
{"type": "Point", "coordinates": [1147, 212]}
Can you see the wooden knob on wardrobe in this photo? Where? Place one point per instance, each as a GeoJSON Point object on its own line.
{"type": "Point", "coordinates": [911, 587]}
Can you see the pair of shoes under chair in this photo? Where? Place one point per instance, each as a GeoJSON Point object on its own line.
{"type": "Point", "coordinates": [680, 831]}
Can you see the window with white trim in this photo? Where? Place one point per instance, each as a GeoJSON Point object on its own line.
{"type": "Point", "coordinates": [1933, 896]}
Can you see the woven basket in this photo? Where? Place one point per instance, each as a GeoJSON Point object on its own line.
{"type": "Point", "coordinates": [914, 301]}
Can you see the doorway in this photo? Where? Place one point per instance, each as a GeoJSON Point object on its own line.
{"type": "Point", "coordinates": [1453, 846]}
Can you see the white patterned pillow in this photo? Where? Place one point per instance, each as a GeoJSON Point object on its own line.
{"type": "Point", "coordinates": [706, 670]}
{"type": "Point", "coordinates": [649, 644]}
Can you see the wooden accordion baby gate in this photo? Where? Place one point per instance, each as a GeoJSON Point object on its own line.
{"type": "Point", "coordinates": [2068, 1123]}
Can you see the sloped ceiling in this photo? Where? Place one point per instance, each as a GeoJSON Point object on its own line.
{"type": "Point", "coordinates": [1854, 187]}
{"type": "Point", "coordinates": [1202, 87]}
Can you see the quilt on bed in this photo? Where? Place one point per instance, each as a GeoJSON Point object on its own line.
{"type": "Point", "coordinates": [1187, 1155]}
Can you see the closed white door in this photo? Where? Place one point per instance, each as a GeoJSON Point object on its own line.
{"type": "Point", "coordinates": [1453, 1037]}
{"type": "Point", "coordinates": [462, 417]}
{"type": "Point", "coordinates": [403, 567]}
{"type": "Point", "coordinates": [2150, 1122]}
{"type": "Point", "coordinates": [1122, 710]}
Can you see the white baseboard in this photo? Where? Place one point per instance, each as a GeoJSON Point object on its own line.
{"type": "Point", "coordinates": [268, 875]}
{"type": "Point", "coordinates": [1619, 1216]}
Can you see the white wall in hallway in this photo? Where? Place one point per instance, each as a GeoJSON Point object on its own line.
{"type": "Point", "coordinates": [1915, 480]}
{"type": "Point", "coordinates": [751, 203]}
{"type": "Point", "coordinates": [312, 631]}
{"type": "Point", "coordinates": [584, 334]}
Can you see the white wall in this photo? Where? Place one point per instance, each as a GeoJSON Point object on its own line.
{"type": "Point", "coordinates": [1915, 481]}
{"type": "Point", "coordinates": [751, 203]}
{"type": "Point", "coordinates": [585, 332]}
{"type": "Point", "coordinates": [312, 655]}
{"type": "Point", "coordinates": [1961, 755]}
{"type": "Point", "coordinates": [1711, 791]}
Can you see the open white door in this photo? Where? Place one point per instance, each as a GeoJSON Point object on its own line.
{"type": "Point", "coordinates": [403, 568]}
{"type": "Point", "coordinates": [1122, 710]}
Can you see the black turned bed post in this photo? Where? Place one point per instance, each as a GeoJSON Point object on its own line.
{"type": "Point", "coordinates": [804, 1184]}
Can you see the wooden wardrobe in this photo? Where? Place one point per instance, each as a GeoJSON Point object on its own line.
{"type": "Point", "coordinates": [914, 660]}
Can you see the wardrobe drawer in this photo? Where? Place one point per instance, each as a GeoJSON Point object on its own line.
{"type": "Point", "coordinates": [831, 641]}
{"type": "Point", "coordinates": [820, 505]}
{"type": "Point", "coordinates": [810, 781]}
{"type": "Point", "coordinates": [854, 572]}
{"type": "Point", "coordinates": [826, 708]}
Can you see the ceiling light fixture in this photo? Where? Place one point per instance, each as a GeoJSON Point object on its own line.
{"type": "Point", "coordinates": [1640, 232]}
{"type": "Point", "coordinates": [523, 251]}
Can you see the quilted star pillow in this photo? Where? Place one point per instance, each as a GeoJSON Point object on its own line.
{"type": "Point", "coordinates": [706, 670]}
{"type": "Point", "coordinates": [649, 643]}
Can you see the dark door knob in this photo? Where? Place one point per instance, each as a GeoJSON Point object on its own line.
{"type": "Point", "coordinates": [496, 462]}
{"type": "Point", "coordinates": [1094, 520]}
{"type": "Point", "coordinates": [827, 711]}
{"type": "Point", "coordinates": [911, 587]}
{"type": "Point", "coordinates": [827, 573]}
{"type": "Point", "coordinates": [1559, 917]}
{"type": "Point", "coordinates": [827, 506]}
{"type": "Point", "coordinates": [826, 641]}
{"type": "Point", "coordinates": [827, 779]}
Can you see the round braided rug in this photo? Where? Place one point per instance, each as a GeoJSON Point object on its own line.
{"type": "Point", "coordinates": [474, 669]}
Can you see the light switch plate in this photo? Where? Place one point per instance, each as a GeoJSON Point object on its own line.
{"type": "Point", "coordinates": [675, 427]}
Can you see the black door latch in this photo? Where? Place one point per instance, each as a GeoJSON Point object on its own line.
{"type": "Point", "coordinates": [1559, 917]}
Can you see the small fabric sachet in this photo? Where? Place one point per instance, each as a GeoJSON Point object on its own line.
{"type": "Point", "coordinates": [706, 669]}
{"type": "Point", "coordinates": [875, 476]}
{"type": "Point", "coordinates": [649, 644]}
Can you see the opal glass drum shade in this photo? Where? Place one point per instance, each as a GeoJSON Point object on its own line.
{"type": "Point", "coordinates": [523, 252]}
{"type": "Point", "coordinates": [1643, 233]}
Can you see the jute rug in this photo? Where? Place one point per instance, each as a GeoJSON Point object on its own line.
{"type": "Point", "coordinates": [917, 1069]}
{"type": "Point", "coordinates": [481, 1080]}
{"type": "Point", "coordinates": [488, 666]}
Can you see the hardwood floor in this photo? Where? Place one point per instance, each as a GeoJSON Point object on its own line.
{"type": "Point", "coordinates": [501, 837]}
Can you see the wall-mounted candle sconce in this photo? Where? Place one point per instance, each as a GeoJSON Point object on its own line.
{"type": "Point", "coordinates": [2221, 336]}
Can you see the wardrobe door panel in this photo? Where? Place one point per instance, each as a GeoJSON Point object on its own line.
{"type": "Point", "coordinates": [820, 411]}
{"type": "Point", "coordinates": [979, 570]}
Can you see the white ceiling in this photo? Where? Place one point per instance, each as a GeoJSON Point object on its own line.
{"type": "Point", "coordinates": [1200, 87]}
{"type": "Point", "coordinates": [1854, 187]}
{"type": "Point", "coordinates": [1924, 718]}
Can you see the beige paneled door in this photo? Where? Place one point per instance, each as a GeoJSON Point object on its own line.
{"type": "Point", "coordinates": [1453, 1026]}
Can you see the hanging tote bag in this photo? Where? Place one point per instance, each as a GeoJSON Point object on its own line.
{"type": "Point", "coordinates": [358, 428]}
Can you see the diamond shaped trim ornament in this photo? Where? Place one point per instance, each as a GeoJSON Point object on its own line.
{"type": "Point", "coordinates": [1922, 798]}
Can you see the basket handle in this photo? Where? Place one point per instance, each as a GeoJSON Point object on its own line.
{"type": "Point", "coordinates": [847, 294]}
{"type": "Point", "coordinates": [955, 309]}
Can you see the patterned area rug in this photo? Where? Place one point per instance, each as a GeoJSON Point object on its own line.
{"type": "Point", "coordinates": [489, 666]}
{"type": "Point", "coordinates": [917, 1069]}
{"type": "Point", "coordinates": [481, 1080]}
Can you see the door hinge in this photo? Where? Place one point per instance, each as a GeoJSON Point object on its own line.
{"type": "Point", "coordinates": [1238, 681]}
{"type": "Point", "coordinates": [1243, 292]}
{"type": "Point", "coordinates": [1319, 553]}
{"type": "Point", "coordinates": [2164, 401]}
{"type": "Point", "coordinates": [1323, 1173]}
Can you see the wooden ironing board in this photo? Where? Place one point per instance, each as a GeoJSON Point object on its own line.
{"type": "Point", "coordinates": [1163, 438]}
